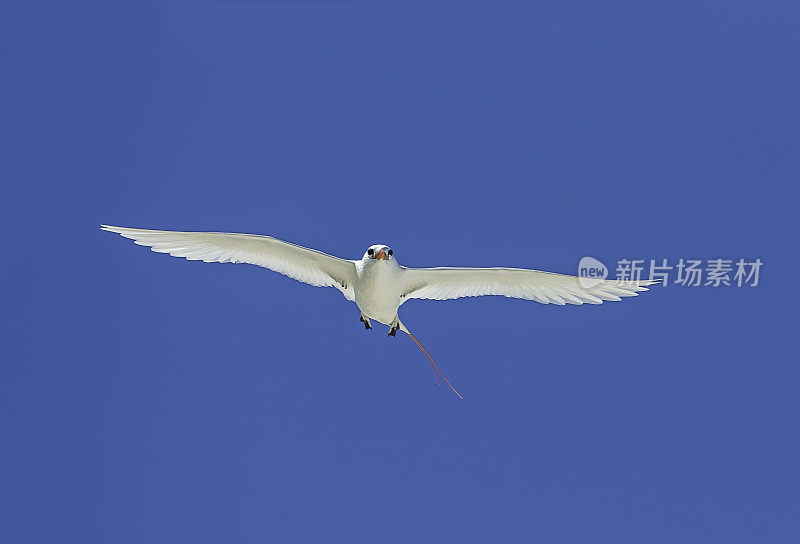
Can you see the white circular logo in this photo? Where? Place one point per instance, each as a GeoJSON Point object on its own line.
{"type": "Point", "coordinates": [591, 272]}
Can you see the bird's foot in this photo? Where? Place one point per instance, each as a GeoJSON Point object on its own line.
{"type": "Point", "coordinates": [365, 321]}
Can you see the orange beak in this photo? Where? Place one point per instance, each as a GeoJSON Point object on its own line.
{"type": "Point", "coordinates": [381, 255]}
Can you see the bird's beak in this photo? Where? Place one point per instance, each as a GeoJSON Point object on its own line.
{"type": "Point", "coordinates": [381, 255]}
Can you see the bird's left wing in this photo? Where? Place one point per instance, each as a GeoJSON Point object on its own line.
{"type": "Point", "coordinates": [543, 287]}
{"type": "Point", "coordinates": [300, 263]}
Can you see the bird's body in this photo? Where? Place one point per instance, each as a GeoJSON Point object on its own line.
{"type": "Point", "coordinates": [378, 289]}
{"type": "Point", "coordinates": [377, 283]}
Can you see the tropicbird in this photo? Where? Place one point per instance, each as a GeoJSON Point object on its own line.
{"type": "Point", "coordinates": [377, 283]}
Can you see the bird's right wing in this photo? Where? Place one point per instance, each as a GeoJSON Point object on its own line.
{"type": "Point", "coordinates": [300, 263]}
{"type": "Point", "coordinates": [543, 287]}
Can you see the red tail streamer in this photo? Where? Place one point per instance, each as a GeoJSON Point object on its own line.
{"type": "Point", "coordinates": [433, 364]}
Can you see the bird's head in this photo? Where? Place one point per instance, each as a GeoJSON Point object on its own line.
{"type": "Point", "coordinates": [379, 252]}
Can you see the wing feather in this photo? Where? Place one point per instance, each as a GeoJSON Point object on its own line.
{"type": "Point", "coordinates": [543, 287]}
{"type": "Point", "coordinates": [300, 263]}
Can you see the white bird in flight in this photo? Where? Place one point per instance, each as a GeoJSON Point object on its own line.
{"type": "Point", "coordinates": [377, 283]}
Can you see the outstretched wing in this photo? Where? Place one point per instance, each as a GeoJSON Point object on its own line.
{"type": "Point", "coordinates": [306, 265]}
{"type": "Point", "coordinates": [543, 287]}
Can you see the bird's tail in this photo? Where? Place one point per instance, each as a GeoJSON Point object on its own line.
{"type": "Point", "coordinates": [434, 366]}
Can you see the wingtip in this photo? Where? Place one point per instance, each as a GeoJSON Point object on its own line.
{"type": "Point", "coordinates": [112, 228]}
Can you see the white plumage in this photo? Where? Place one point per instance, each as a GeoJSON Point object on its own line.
{"type": "Point", "coordinates": [376, 282]}
{"type": "Point", "coordinates": [300, 263]}
{"type": "Point", "coordinates": [543, 287]}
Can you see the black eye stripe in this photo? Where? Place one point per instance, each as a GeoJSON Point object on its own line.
{"type": "Point", "coordinates": [390, 252]}
{"type": "Point", "coordinates": [370, 251]}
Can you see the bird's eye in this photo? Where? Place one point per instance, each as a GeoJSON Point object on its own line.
{"type": "Point", "coordinates": [390, 252]}
{"type": "Point", "coordinates": [370, 251]}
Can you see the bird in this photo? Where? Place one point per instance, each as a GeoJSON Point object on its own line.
{"type": "Point", "coordinates": [377, 283]}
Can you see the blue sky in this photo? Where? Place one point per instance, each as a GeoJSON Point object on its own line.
{"type": "Point", "coordinates": [148, 399]}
